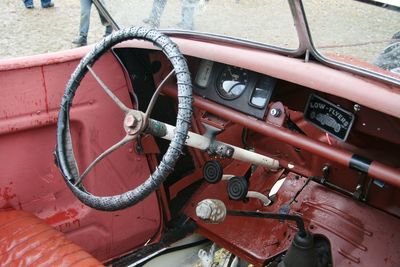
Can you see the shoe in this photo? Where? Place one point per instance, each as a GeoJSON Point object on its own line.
{"type": "Point", "coordinates": [106, 34]}
{"type": "Point", "coordinates": [108, 31]}
{"type": "Point", "coordinates": [151, 23]}
{"type": "Point", "coordinates": [49, 5]}
{"type": "Point", "coordinates": [185, 26]}
{"type": "Point", "coordinates": [80, 41]}
{"type": "Point", "coordinates": [29, 6]}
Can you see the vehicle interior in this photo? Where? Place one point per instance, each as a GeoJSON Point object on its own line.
{"type": "Point", "coordinates": [274, 160]}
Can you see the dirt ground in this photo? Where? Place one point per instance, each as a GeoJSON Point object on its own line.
{"type": "Point", "coordinates": [342, 27]}
{"type": "Point", "coordinates": [38, 30]}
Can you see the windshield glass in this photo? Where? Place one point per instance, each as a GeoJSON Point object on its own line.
{"type": "Point", "coordinates": [263, 21]}
{"type": "Point", "coordinates": [357, 33]}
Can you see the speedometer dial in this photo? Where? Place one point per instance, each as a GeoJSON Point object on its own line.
{"type": "Point", "coordinates": [232, 82]}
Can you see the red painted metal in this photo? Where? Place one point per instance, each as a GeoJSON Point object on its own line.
{"type": "Point", "coordinates": [343, 157]}
{"type": "Point", "coordinates": [30, 95]}
{"type": "Point", "coordinates": [353, 229]}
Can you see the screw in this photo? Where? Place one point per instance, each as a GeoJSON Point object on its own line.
{"type": "Point", "coordinates": [356, 107]}
{"type": "Point", "coordinates": [275, 112]}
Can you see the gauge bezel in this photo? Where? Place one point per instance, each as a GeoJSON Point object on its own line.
{"type": "Point", "coordinates": [270, 83]}
{"type": "Point", "coordinates": [219, 79]}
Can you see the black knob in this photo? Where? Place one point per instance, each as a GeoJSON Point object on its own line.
{"type": "Point", "coordinates": [238, 188]}
{"type": "Point", "coordinates": [213, 171]}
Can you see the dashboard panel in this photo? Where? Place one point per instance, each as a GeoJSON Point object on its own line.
{"type": "Point", "coordinates": [234, 87]}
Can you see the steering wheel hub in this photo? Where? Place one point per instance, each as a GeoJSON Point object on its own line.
{"type": "Point", "coordinates": [134, 122]}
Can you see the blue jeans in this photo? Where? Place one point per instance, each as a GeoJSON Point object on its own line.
{"type": "Point", "coordinates": [188, 8]}
{"type": "Point", "coordinates": [156, 12]}
{"type": "Point", "coordinates": [86, 7]}
{"type": "Point", "coordinates": [45, 3]}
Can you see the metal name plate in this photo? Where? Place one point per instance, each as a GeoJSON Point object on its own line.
{"type": "Point", "coordinates": [329, 117]}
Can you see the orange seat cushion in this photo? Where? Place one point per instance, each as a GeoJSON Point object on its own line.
{"type": "Point", "coordinates": [26, 240]}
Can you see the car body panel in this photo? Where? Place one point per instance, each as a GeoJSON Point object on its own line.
{"type": "Point", "coordinates": [30, 180]}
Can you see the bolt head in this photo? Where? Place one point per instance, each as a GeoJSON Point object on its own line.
{"type": "Point", "coordinates": [356, 107]}
{"type": "Point", "coordinates": [130, 121]}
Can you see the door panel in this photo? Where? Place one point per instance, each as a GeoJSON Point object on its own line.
{"type": "Point", "coordinates": [29, 179]}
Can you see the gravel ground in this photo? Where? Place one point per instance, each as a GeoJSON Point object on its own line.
{"type": "Point", "coordinates": [335, 28]}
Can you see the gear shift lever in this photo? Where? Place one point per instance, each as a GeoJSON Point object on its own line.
{"type": "Point", "coordinates": [301, 252]}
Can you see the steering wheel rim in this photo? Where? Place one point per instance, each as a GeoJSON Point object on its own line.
{"type": "Point", "coordinates": [64, 153]}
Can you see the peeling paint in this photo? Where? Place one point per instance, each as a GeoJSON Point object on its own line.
{"type": "Point", "coordinates": [6, 194]}
{"type": "Point", "coordinates": [62, 216]}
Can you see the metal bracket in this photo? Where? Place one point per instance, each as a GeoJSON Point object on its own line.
{"type": "Point", "coordinates": [139, 147]}
{"type": "Point", "coordinates": [219, 149]}
{"type": "Point", "coordinates": [361, 191]}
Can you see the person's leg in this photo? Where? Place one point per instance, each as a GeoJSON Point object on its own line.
{"type": "Point", "coordinates": [86, 6]}
{"type": "Point", "coordinates": [108, 29]}
{"type": "Point", "coordinates": [47, 3]}
{"type": "Point", "coordinates": [188, 7]}
{"type": "Point", "coordinates": [28, 3]}
{"type": "Point", "coordinates": [156, 12]}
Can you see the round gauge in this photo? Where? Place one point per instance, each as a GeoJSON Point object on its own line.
{"type": "Point", "coordinates": [232, 82]}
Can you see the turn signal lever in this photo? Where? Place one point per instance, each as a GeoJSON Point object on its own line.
{"type": "Point", "coordinates": [301, 252]}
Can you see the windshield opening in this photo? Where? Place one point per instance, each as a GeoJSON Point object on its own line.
{"type": "Point", "coordinates": [357, 33]}
{"type": "Point", "coordinates": [267, 22]}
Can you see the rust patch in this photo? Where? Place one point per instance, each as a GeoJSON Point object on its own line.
{"type": "Point", "coordinates": [6, 194]}
{"type": "Point", "coordinates": [62, 216]}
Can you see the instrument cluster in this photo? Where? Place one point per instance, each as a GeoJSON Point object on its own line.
{"type": "Point", "coordinates": [235, 87]}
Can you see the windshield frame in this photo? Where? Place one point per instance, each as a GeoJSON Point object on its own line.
{"type": "Point", "coordinates": [298, 5]}
{"type": "Point", "coordinates": [305, 49]}
{"type": "Point", "coordinates": [298, 52]}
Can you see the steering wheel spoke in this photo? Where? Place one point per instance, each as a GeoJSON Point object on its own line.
{"type": "Point", "coordinates": [108, 91]}
{"type": "Point", "coordinates": [111, 149]}
{"type": "Point", "coordinates": [156, 94]}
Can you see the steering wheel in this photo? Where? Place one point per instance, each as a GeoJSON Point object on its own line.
{"type": "Point", "coordinates": [135, 122]}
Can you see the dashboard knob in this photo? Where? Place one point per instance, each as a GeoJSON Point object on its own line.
{"type": "Point", "coordinates": [275, 112]}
